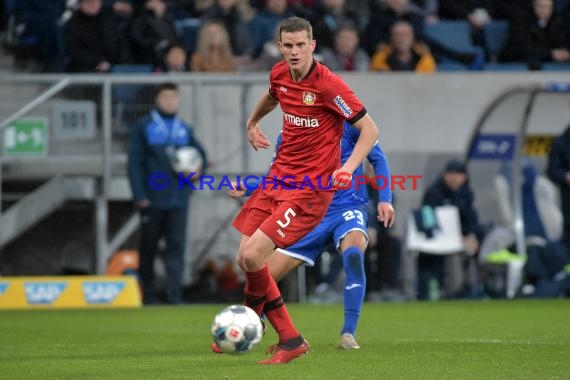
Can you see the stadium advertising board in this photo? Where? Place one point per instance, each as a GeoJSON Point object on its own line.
{"type": "Point", "coordinates": [69, 292]}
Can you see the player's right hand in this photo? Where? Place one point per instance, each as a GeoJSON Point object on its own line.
{"type": "Point", "coordinates": [237, 192]}
{"type": "Point", "coordinates": [386, 214]}
{"type": "Point", "coordinates": [256, 138]}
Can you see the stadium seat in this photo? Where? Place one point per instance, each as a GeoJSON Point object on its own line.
{"type": "Point", "coordinates": [495, 36]}
{"type": "Point", "coordinates": [450, 66]}
{"type": "Point", "coordinates": [447, 240]}
{"type": "Point", "coordinates": [131, 69]}
{"type": "Point", "coordinates": [124, 96]}
{"type": "Point", "coordinates": [188, 30]}
{"type": "Point", "coordinates": [556, 67]}
{"type": "Point", "coordinates": [455, 36]}
{"type": "Point", "coordinates": [506, 67]}
{"type": "Point", "coordinates": [127, 93]}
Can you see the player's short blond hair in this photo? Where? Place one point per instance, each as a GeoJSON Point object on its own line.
{"type": "Point", "coordinates": [296, 24]}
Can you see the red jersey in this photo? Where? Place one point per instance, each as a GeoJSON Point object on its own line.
{"type": "Point", "coordinates": [314, 110]}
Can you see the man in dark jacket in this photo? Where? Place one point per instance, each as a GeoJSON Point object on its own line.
{"type": "Point", "coordinates": [93, 40]}
{"type": "Point", "coordinates": [559, 172]}
{"type": "Point", "coordinates": [539, 37]}
{"type": "Point", "coordinates": [162, 203]}
{"type": "Point", "coordinates": [152, 33]}
{"type": "Point", "coordinates": [451, 188]}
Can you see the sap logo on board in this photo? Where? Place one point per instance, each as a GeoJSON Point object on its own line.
{"type": "Point", "coordinates": [102, 292]}
{"type": "Point", "coordinates": [43, 293]}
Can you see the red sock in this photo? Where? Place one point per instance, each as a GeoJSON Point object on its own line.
{"type": "Point", "coordinates": [277, 314]}
{"type": "Point", "coordinates": [255, 292]}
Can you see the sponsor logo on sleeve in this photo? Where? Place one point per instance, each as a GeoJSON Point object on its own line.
{"type": "Point", "coordinates": [43, 293]}
{"type": "Point", "coordinates": [342, 106]}
{"type": "Point", "coordinates": [102, 292]}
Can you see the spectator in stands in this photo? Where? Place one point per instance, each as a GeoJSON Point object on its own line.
{"type": "Point", "coordinates": [152, 32]}
{"type": "Point", "coordinates": [559, 172]}
{"type": "Point", "coordinates": [262, 27]}
{"type": "Point", "coordinates": [36, 33]}
{"type": "Point", "coordinates": [512, 10]}
{"type": "Point", "coordinates": [122, 9]}
{"type": "Point", "coordinates": [194, 8]}
{"type": "Point", "coordinates": [403, 53]}
{"type": "Point", "coordinates": [426, 8]}
{"type": "Point", "coordinates": [477, 12]}
{"type": "Point", "coordinates": [270, 55]}
{"type": "Point", "coordinates": [346, 54]}
{"type": "Point", "coordinates": [452, 188]}
{"type": "Point", "coordinates": [540, 37]}
{"type": "Point", "coordinates": [153, 142]}
{"type": "Point", "coordinates": [93, 40]}
{"type": "Point", "coordinates": [214, 52]}
{"type": "Point", "coordinates": [327, 18]}
{"type": "Point", "coordinates": [300, 8]}
{"type": "Point", "coordinates": [175, 60]}
{"type": "Point", "coordinates": [380, 24]}
{"type": "Point", "coordinates": [237, 28]}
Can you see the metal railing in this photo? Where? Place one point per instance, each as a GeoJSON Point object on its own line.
{"type": "Point", "coordinates": [57, 83]}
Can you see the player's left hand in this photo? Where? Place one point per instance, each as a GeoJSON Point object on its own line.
{"type": "Point", "coordinates": [236, 191]}
{"type": "Point", "coordinates": [256, 138]}
{"type": "Point", "coordinates": [342, 179]}
{"type": "Point", "coordinates": [386, 214]}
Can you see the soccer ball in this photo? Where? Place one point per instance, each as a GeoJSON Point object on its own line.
{"type": "Point", "coordinates": [187, 160]}
{"type": "Point", "coordinates": [237, 329]}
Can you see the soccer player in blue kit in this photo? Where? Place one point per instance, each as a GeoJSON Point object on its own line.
{"type": "Point", "coordinates": [346, 224]}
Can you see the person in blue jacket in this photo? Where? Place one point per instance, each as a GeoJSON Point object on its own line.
{"type": "Point", "coordinates": [346, 225]}
{"type": "Point", "coordinates": [163, 205]}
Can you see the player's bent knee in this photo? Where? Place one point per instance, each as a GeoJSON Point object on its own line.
{"type": "Point", "coordinates": [353, 261]}
{"type": "Point", "coordinates": [251, 261]}
{"type": "Point", "coordinates": [354, 239]}
{"type": "Point", "coordinates": [240, 262]}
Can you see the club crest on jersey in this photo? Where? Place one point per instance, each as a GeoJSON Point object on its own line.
{"type": "Point", "coordinates": [342, 106]}
{"type": "Point", "coordinates": [309, 98]}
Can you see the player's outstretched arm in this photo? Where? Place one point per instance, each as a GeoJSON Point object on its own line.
{"type": "Point", "coordinates": [265, 104]}
{"type": "Point", "coordinates": [368, 136]}
{"type": "Point", "coordinates": [255, 136]}
{"type": "Point", "coordinates": [378, 159]}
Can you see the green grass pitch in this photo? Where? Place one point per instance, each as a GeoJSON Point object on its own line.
{"type": "Point", "coordinates": [447, 340]}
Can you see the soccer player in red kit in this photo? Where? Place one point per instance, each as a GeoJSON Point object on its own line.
{"type": "Point", "coordinates": [315, 102]}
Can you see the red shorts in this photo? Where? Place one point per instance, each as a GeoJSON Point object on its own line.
{"type": "Point", "coordinates": [283, 215]}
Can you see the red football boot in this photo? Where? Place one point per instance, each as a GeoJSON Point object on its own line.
{"type": "Point", "coordinates": [284, 353]}
{"type": "Point", "coordinates": [215, 348]}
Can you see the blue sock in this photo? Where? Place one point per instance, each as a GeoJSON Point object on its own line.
{"type": "Point", "coordinates": [354, 288]}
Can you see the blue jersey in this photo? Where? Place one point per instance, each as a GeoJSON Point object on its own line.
{"type": "Point", "coordinates": [348, 210]}
{"type": "Point", "coordinates": [356, 197]}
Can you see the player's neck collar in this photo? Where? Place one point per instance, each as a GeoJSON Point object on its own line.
{"type": "Point", "coordinates": [313, 65]}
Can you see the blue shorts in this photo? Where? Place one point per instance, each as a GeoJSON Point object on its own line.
{"type": "Point", "coordinates": [335, 225]}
